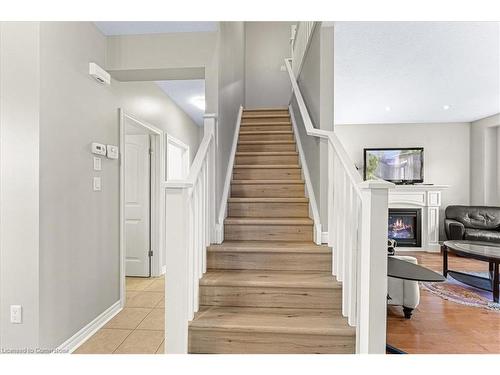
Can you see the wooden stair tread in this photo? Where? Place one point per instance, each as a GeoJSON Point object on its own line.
{"type": "Point", "coordinates": [274, 320]}
{"type": "Point", "coordinates": [268, 221]}
{"type": "Point", "coordinates": [279, 142]}
{"type": "Point", "coordinates": [267, 182]}
{"type": "Point", "coordinates": [270, 246]}
{"type": "Point", "coordinates": [268, 200]}
{"type": "Point", "coordinates": [252, 132]}
{"type": "Point", "coordinates": [265, 115]}
{"type": "Point", "coordinates": [270, 279]}
{"type": "Point", "coordinates": [266, 109]}
{"type": "Point", "coordinates": [267, 166]}
{"type": "Point", "coordinates": [265, 123]}
{"type": "Point", "coordinates": [266, 153]}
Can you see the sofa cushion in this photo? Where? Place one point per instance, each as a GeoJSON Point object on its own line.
{"type": "Point", "coordinates": [476, 217]}
{"type": "Point", "coordinates": [481, 235]}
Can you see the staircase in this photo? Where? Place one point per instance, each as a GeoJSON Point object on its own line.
{"type": "Point", "coordinates": [268, 288]}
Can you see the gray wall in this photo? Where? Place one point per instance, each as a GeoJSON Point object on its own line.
{"type": "Point", "coordinates": [309, 83]}
{"type": "Point", "coordinates": [231, 93]}
{"type": "Point", "coordinates": [60, 240]}
{"type": "Point", "coordinates": [79, 228]}
{"type": "Point", "coordinates": [19, 171]}
{"type": "Point", "coordinates": [316, 85]}
{"type": "Point", "coordinates": [266, 47]}
{"type": "Point", "coordinates": [447, 156]}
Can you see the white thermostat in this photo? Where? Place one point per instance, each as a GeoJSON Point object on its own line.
{"type": "Point", "coordinates": [98, 148]}
{"type": "Point", "coordinates": [112, 151]}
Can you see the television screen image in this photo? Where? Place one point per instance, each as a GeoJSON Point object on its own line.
{"type": "Point", "coordinates": [395, 165]}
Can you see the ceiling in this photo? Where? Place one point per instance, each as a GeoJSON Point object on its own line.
{"type": "Point", "coordinates": [149, 27]}
{"type": "Point", "coordinates": [187, 94]}
{"type": "Point", "coordinates": [412, 72]}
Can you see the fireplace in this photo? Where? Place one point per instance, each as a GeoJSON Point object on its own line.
{"type": "Point", "coordinates": [405, 226]}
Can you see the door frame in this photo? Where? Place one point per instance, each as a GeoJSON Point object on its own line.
{"type": "Point", "coordinates": [157, 199]}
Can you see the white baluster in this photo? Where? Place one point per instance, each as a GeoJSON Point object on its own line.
{"type": "Point", "coordinates": [355, 208]}
{"type": "Point", "coordinates": [336, 213]}
{"type": "Point", "coordinates": [349, 223]}
{"type": "Point", "coordinates": [341, 227]}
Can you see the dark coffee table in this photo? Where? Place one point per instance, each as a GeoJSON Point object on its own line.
{"type": "Point", "coordinates": [484, 251]}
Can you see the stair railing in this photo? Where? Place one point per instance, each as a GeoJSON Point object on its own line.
{"type": "Point", "coordinates": [190, 222]}
{"type": "Point", "coordinates": [357, 233]}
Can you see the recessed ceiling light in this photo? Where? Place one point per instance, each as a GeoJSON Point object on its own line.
{"type": "Point", "coordinates": [388, 109]}
{"type": "Point", "coordinates": [446, 107]}
{"type": "Point", "coordinates": [198, 102]}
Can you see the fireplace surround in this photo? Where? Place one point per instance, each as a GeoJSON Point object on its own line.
{"type": "Point", "coordinates": [426, 198]}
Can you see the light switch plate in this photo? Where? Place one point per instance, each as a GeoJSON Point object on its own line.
{"type": "Point", "coordinates": [16, 314]}
{"type": "Point", "coordinates": [97, 183]}
{"type": "Point", "coordinates": [97, 164]}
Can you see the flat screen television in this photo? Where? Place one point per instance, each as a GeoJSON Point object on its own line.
{"type": "Point", "coordinates": [398, 165]}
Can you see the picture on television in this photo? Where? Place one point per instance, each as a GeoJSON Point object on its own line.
{"type": "Point", "coordinates": [395, 165]}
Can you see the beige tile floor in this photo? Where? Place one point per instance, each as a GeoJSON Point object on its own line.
{"type": "Point", "coordinates": [139, 327]}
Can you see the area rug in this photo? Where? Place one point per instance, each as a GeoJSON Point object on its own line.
{"type": "Point", "coordinates": [454, 291]}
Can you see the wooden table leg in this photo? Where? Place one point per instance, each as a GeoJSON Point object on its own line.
{"type": "Point", "coordinates": [444, 250]}
{"type": "Point", "coordinates": [495, 282]}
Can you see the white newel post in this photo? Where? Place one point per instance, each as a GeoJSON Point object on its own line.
{"type": "Point", "coordinates": [372, 294]}
{"type": "Point", "coordinates": [177, 278]}
{"type": "Point", "coordinates": [189, 224]}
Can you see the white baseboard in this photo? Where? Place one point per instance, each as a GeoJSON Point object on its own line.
{"type": "Point", "coordinates": [219, 233]}
{"type": "Point", "coordinates": [70, 345]}
{"type": "Point", "coordinates": [163, 270]}
{"type": "Point", "coordinates": [324, 237]}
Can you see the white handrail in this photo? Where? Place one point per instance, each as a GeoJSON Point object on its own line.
{"type": "Point", "coordinates": [190, 219]}
{"type": "Point", "coordinates": [357, 226]}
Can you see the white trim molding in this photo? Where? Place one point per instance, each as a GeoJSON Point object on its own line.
{"type": "Point", "coordinates": [313, 207]}
{"type": "Point", "coordinates": [219, 226]}
{"type": "Point", "coordinates": [75, 341]}
{"type": "Point", "coordinates": [324, 237]}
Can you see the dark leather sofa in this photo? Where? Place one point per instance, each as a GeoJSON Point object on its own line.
{"type": "Point", "coordinates": [473, 223]}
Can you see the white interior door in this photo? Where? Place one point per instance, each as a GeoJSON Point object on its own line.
{"type": "Point", "coordinates": [137, 205]}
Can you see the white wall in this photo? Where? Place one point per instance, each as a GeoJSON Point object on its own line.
{"type": "Point", "coordinates": [267, 44]}
{"type": "Point", "coordinates": [485, 163]}
{"type": "Point", "coordinates": [446, 151]}
{"type": "Point", "coordinates": [19, 187]}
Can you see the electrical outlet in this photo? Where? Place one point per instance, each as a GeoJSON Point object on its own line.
{"type": "Point", "coordinates": [16, 314]}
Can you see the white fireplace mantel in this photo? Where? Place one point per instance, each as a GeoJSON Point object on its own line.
{"type": "Point", "coordinates": [428, 198]}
